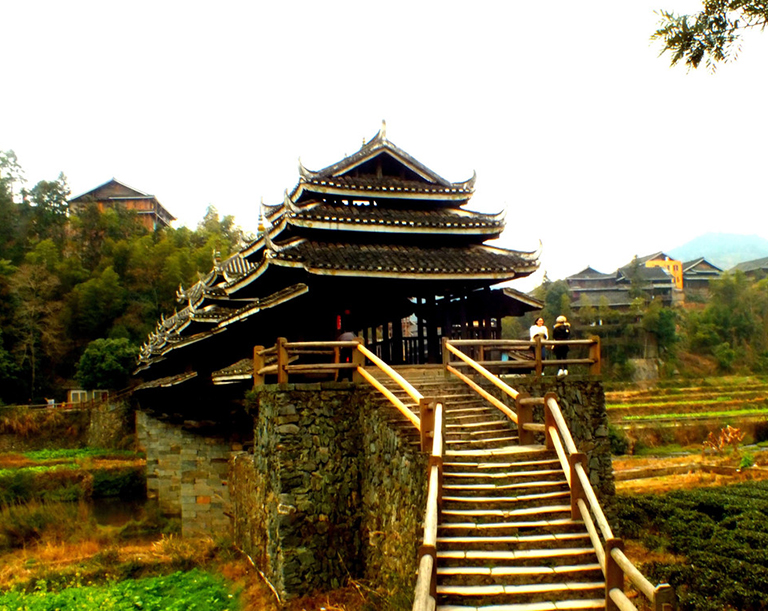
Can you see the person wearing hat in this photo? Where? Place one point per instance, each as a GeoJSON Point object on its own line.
{"type": "Point", "coordinates": [561, 331]}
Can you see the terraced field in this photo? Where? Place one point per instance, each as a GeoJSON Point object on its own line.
{"type": "Point", "coordinates": [714, 400]}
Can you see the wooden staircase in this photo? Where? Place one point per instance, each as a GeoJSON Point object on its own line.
{"type": "Point", "coordinates": [506, 539]}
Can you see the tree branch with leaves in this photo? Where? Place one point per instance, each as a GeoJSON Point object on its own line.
{"type": "Point", "coordinates": [713, 34]}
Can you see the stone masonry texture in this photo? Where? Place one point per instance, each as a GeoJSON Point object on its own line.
{"type": "Point", "coordinates": [187, 473]}
{"type": "Point", "coordinates": [330, 492]}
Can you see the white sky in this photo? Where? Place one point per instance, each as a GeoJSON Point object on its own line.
{"type": "Point", "coordinates": [564, 109]}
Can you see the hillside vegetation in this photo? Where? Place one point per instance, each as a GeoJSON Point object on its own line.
{"type": "Point", "coordinates": [92, 279]}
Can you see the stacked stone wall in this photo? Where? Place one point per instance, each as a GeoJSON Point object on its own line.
{"type": "Point", "coordinates": [394, 490]}
{"type": "Point", "coordinates": [187, 473]}
{"type": "Point", "coordinates": [331, 491]}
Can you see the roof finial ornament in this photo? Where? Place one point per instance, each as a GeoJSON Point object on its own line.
{"type": "Point", "coordinates": [383, 130]}
{"type": "Point", "coordinates": [262, 224]}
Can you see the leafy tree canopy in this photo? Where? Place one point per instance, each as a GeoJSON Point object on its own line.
{"type": "Point", "coordinates": [713, 34]}
{"type": "Point", "coordinates": [107, 364]}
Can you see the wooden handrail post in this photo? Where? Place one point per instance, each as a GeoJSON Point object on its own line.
{"type": "Point", "coordinates": [282, 360]}
{"type": "Point", "coordinates": [446, 357]}
{"type": "Point", "coordinates": [427, 419]}
{"type": "Point", "coordinates": [358, 358]}
{"type": "Point", "coordinates": [336, 360]}
{"type": "Point", "coordinates": [258, 363]}
{"type": "Point", "coordinates": [429, 550]}
{"type": "Point", "coordinates": [577, 488]}
{"type": "Point", "coordinates": [537, 355]}
{"type": "Point", "coordinates": [549, 422]}
{"type": "Point", "coordinates": [614, 576]}
{"type": "Point", "coordinates": [524, 416]}
{"type": "Point", "coordinates": [594, 354]}
{"type": "Point", "coordinates": [664, 598]}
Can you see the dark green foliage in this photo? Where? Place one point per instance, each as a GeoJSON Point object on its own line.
{"type": "Point", "coordinates": [107, 364]}
{"type": "Point", "coordinates": [721, 532]}
{"type": "Point", "coordinates": [618, 440]}
{"type": "Point", "coordinates": [67, 279]}
{"type": "Point", "coordinates": [126, 482]}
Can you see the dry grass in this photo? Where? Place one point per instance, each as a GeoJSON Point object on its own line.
{"type": "Point", "coordinates": [695, 478]}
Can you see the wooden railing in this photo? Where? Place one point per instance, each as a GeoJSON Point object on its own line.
{"type": "Point", "coordinates": [585, 506]}
{"type": "Point", "coordinates": [526, 355]}
{"type": "Point", "coordinates": [425, 593]}
{"type": "Point", "coordinates": [584, 502]}
{"type": "Point", "coordinates": [280, 361]}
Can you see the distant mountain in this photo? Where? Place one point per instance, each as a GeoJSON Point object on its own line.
{"type": "Point", "coordinates": [722, 249]}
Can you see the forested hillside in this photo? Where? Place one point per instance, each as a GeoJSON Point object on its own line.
{"type": "Point", "coordinates": [69, 279]}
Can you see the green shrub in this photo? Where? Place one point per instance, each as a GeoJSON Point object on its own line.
{"type": "Point", "coordinates": [125, 482]}
{"type": "Point", "coordinates": [747, 461]}
{"type": "Point", "coordinates": [44, 483]}
{"type": "Point", "coordinates": [618, 440]}
{"type": "Point", "coordinates": [191, 591]}
{"type": "Point", "coordinates": [722, 534]}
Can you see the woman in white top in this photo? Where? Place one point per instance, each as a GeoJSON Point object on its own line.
{"type": "Point", "coordinates": [539, 328]}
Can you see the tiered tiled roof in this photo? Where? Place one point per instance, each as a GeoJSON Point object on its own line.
{"type": "Point", "coordinates": [378, 214]}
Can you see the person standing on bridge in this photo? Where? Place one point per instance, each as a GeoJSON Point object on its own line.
{"type": "Point", "coordinates": [539, 329]}
{"type": "Point", "coordinates": [561, 332]}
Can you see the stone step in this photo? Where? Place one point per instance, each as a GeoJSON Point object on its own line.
{"type": "Point", "coordinates": [555, 523]}
{"type": "Point", "coordinates": [515, 557]}
{"type": "Point", "coordinates": [500, 504]}
{"type": "Point", "coordinates": [473, 426]}
{"type": "Point", "coordinates": [500, 488]}
{"type": "Point", "coordinates": [495, 478]}
{"type": "Point", "coordinates": [499, 441]}
{"type": "Point", "coordinates": [497, 596]}
{"type": "Point", "coordinates": [491, 514]}
{"type": "Point", "coordinates": [564, 605]}
{"type": "Point", "coordinates": [478, 429]}
{"type": "Point", "coordinates": [502, 541]}
{"type": "Point", "coordinates": [488, 455]}
{"type": "Point", "coordinates": [491, 467]}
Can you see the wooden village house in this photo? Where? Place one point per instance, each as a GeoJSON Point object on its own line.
{"type": "Point", "coordinates": [114, 194]}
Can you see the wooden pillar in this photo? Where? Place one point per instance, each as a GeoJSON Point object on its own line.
{"type": "Point", "coordinates": [282, 361]}
{"type": "Point", "coordinates": [420, 327]}
{"type": "Point", "coordinates": [386, 343]}
{"type": "Point", "coordinates": [614, 576]}
{"type": "Point", "coordinates": [258, 363]}
{"type": "Point", "coordinates": [594, 354]}
{"type": "Point", "coordinates": [432, 341]}
{"type": "Point", "coordinates": [463, 317]}
{"type": "Point", "coordinates": [397, 342]}
{"type": "Point", "coordinates": [359, 360]}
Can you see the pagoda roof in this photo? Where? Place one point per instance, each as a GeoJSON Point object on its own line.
{"type": "Point", "coordinates": [353, 175]}
{"type": "Point", "coordinates": [367, 216]}
{"type": "Point", "coordinates": [477, 262]}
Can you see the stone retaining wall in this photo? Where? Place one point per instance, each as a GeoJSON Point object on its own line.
{"type": "Point", "coordinates": [187, 473]}
{"type": "Point", "coordinates": [331, 491]}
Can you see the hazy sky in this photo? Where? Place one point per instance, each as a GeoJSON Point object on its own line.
{"type": "Point", "coordinates": [571, 120]}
